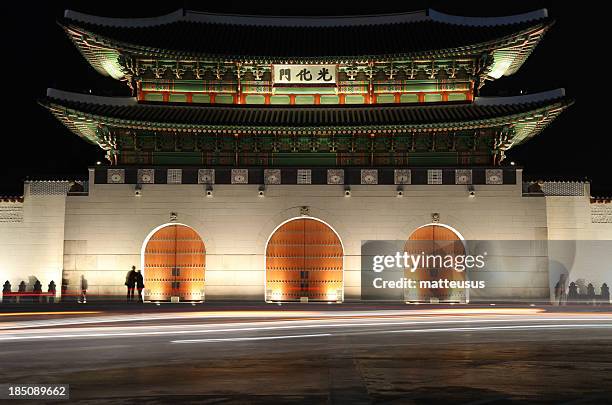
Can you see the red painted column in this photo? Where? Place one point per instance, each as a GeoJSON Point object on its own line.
{"type": "Point", "coordinates": [292, 99]}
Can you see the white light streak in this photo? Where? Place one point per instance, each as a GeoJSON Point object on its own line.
{"type": "Point", "coordinates": [250, 338]}
{"type": "Point", "coordinates": [140, 331]}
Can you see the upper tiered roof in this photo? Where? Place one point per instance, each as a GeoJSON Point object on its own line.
{"type": "Point", "coordinates": [314, 39]}
{"type": "Point", "coordinates": [208, 87]}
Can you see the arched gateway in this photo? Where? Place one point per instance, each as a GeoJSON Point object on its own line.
{"type": "Point", "coordinates": [439, 241]}
{"type": "Point", "coordinates": [174, 262]}
{"type": "Point", "coordinates": [304, 259]}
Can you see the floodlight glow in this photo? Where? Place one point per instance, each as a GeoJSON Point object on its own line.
{"type": "Point", "coordinates": [500, 68]}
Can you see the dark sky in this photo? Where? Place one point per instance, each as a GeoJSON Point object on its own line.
{"type": "Point", "coordinates": [38, 55]}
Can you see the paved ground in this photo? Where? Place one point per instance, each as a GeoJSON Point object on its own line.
{"type": "Point", "coordinates": [315, 354]}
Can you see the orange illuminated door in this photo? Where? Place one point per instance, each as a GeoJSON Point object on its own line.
{"type": "Point", "coordinates": [304, 260]}
{"type": "Point", "coordinates": [438, 241]}
{"type": "Point", "coordinates": [175, 261]}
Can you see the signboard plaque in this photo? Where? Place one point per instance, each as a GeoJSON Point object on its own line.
{"type": "Point", "coordinates": [316, 75]}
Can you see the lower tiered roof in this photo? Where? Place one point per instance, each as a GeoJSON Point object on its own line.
{"type": "Point", "coordinates": [523, 116]}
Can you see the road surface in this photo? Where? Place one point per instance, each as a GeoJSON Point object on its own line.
{"type": "Point", "coordinates": [314, 354]}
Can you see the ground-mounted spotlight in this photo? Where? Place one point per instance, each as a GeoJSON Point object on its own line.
{"type": "Point", "coordinates": [138, 190]}
{"type": "Point", "coordinates": [209, 191]}
{"type": "Point", "coordinates": [347, 191]}
{"type": "Point", "coordinates": [471, 192]}
{"type": "Point", "coordinates": [261, 192]}
{"type": "Point", "coordinates": [400, 192]}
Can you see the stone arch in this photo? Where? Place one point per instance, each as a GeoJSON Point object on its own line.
{"type": "Point", "coordinates": [440, 241]}
{"type": "Point", "coordinates": [173, 259]}
{"type": "Point", "coordinates": [304, 259]}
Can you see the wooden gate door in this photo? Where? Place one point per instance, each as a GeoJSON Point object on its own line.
{"type": "Point", "coordinates": [438, 241]}
{"type": "Point", "coordinates": [175, 264]}
{"type": "Point", "coordinates": [304, 260]}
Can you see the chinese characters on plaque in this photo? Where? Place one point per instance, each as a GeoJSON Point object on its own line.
{"type": "Point", "coordinates": [304, 74]}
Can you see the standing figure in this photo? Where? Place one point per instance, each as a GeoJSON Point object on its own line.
{"type": "Point", "coordinates": [130, 282]}
{"type": "Point", "coordinates": [605, 293]}
{"type": "Point", "coordinates": [591, 294]}
{"type": "Point", "coordinates": [65, 283]}
{"type": "Point", "coordinates": [84, 286]}
{"type": "Point", "coordinates": [572, 296]}
{"type": "Point", "coordinates": [557, 293]}
{"type": "Point", "coordinates": [139, 284]}
{"type": "Point", "coordinates": [563, 298]}
{"type": "Point", "coordinates": [560, 291]}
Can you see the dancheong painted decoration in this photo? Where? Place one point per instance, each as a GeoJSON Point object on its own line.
{"type": "Point", "coordinates": [386, 90]}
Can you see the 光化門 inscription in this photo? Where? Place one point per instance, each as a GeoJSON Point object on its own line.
{"type": "Point", "coordinates": [304, 74]}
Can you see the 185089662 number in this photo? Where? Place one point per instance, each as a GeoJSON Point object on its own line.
{"type": "Point", "coordinates": [35, 391]}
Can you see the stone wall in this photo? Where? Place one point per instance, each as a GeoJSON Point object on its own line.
{"type": "Point", "coordinates": [32, 235]}
{"type": "Point", "coordinates": [105, 231]}
{"type": "Point", "coordinates": [100, 235]}
{"type": "Point", "coordinates": [585, 227]}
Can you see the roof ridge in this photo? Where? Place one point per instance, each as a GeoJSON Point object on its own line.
{"type": "Point", "coordinates": [521, 99]}
{"type": "Point", "coordinates": [304, 21]}
{"type": "Point", "coordinates": [601, 199]}
{"type": "Point", "coordinates": [90, 98]}
{"type": "Point", "coordinates": [489, 21]}
{"type": "Point", "coordinates": [11, 198]}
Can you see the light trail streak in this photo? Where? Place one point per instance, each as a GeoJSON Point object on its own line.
{"type": "Point", "coordinates": [137, 331]}
{"type": "Point", "coordinates": [432, 330]}
{"type": "Point", "coordinates": [50, 313]}
{"type": "Point", "coordinates": [250, 338]}
{"type": "Point", "coordinates": [270, 314]}
{"type": "Point", "coordinates": [513, 327]}
{"type": "Point", "coordinates": [240, 326]}
{"type": "Point", "coordinates": [274, 314]}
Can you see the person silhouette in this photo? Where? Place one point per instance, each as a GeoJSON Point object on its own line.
{"type": "Point", "coordinates": [591, 294]}
{"type": "Point", "coordinates": [572, 295]}
{"type": "Point", "coordinates": [139, 284]}
{"type": "Point", "coordinates": [84, 286]}
{"type": "Point", "coordinates": [605, 293]}
{"type": "Point", "coordinates": [560, 293]}
{"type": "Point", "coordinates": [130, 282]}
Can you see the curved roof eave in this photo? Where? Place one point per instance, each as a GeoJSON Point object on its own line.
{"type": "Point", "coordinates": [83, 123]}
{"type": "Point", "coordinates": [182, 15]}
{"type": "Point", "coordinates": [522, 99]}
{"type": "Point", "coordinates": [132, 101]}
{"type": "Point", "coordinates": [114, 69]}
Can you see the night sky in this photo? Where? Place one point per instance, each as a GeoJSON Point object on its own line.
{"type": "Point", "coordinates": [37, 55]}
